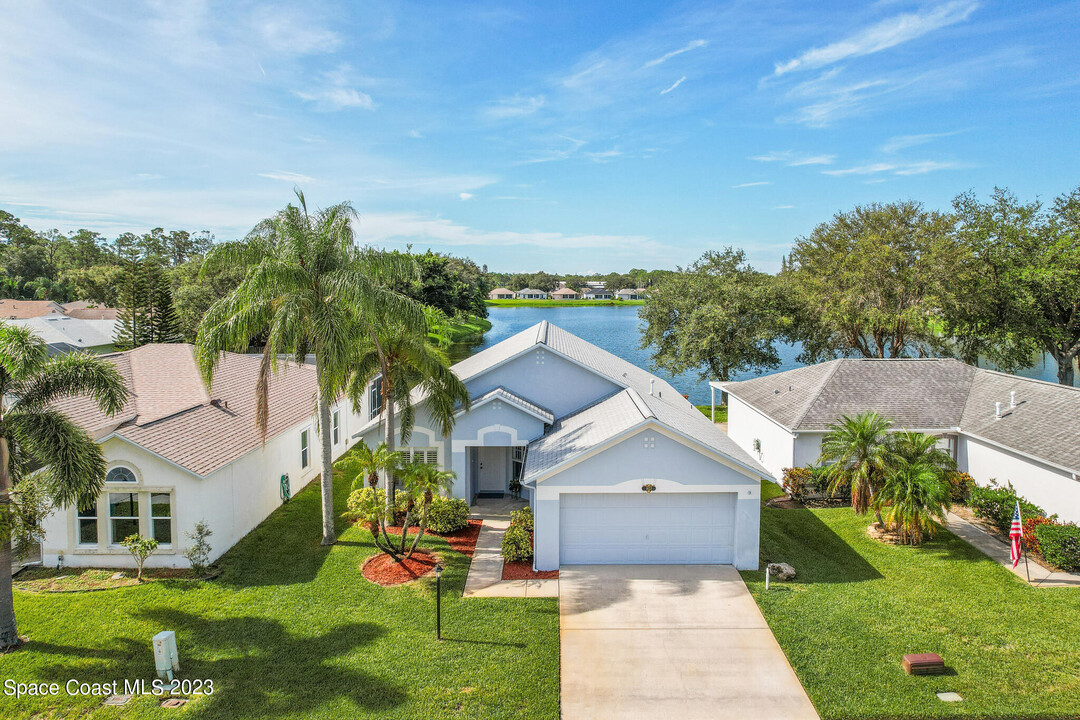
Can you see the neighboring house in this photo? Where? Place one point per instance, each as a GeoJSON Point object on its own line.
{"type": "Point", "coordinates": [997, 426]}
{"type": "Point", "coordinates": [64, 334]}
{"type": "Point", "coordinates": [177, 454]}
{"type": "Point", "coordinates": [25, 309]}
{"type": "Point", "coordinates": [501, 294]}
{"type": "Point", "coordinates": [617, 465]}
{"type": "Point", "coordinates": [531, 294]}
{"type": "Point", "coordinates": [564, 293]}
{"type": "Point", "coordinates": [595, 293]}
{"type": "Point", "coordinates": [631, 294]}
{"type": "Point", "coordinates": [86, 310]}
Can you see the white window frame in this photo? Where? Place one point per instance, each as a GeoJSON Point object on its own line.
{"type": "Point", "coordinates": [305, 449]}
{"type": "Point", "coordinates": [152, 518]}
{"type": "Point", "coordinates": [375, 397]}
{"type": "Point", "coordinates": [79, 518]}
{"type": "Point", "coordinates": [335, 423]}
{"type": "Point", "coordinates": [137, 517]}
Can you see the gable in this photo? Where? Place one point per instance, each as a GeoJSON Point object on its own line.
{"type": "Point", "coordinates": [547, 379]}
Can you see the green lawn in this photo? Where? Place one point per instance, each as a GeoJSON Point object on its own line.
{"type": "Point", "coordinates": [858, 605]}
{"type": "Point", "coordinates": [560, 303]}
{"type": "Point", "coordinates": [721, 412]}
{"type": "Point", "coordinates": [291, 630]}
{"type": "Point", "coordinates": [470, 328]}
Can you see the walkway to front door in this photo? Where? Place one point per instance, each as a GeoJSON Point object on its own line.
{"type": "Point", "coordinates": [485, 570]}
{"type": "Point", "coordinates": [670, 641]}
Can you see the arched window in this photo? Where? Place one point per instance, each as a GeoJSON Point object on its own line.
{"type": "Point", "coordinates": [120, 474]}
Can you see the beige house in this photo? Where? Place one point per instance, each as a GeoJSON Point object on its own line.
{"type": "Point", "coordinates": [564, 293]}
{"type": "Point", "coordinates": [501, 294]}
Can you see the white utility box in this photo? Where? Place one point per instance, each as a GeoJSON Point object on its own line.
{"type": "Point", "coordinates": [166, 657]}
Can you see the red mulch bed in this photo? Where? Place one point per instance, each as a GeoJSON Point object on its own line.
{"type": "Point", "coordinates": [383, 570]}
{"type": "Point", "coordinates": [522, 570]}
{"type": "Point", "coordinates": [462, 541]}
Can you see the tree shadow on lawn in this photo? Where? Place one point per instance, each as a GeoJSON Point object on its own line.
{"type": "Point", "coordinates": [259, 669]}
{"type": "Point", "coordinates": [799, 537]}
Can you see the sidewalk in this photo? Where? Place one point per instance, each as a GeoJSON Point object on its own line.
{"type": "Point", "coordinates": [999, 552]}
{"type": "Point", "coordinates": [485, 572]}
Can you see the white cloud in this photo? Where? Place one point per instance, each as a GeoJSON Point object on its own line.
{"type": "Point", "coordinates": [784, 207]}
{"type": "Point", "coordinates": [897, 168]}
{"type": "Point", "coordinates": [881, 36]}
{"type": "Point", "coordinates": [902, 142]}
{"type": "Point", "coordinates": [291, 32]}
{"type": "Point", "coordinates": [287, 176]}
{"type": "Point", "coordinates": [790, 158]}
{"type": "Point", "coordinates": [692, 45]}
{"type": "Point", "coordinates": [466, 196]}
{"type": "Point", "coordinates": [416, 134]}
{"type": "Point", "coordinates": [516, 106]}
{"type": "Point", "coordinates": [752, 184]}
{"type": "Point", "coordinates": [674, 85]}
{"type": "Point", "coordinates": [335, 92]}
{"type": "Point", "coordinates": [604, 155]}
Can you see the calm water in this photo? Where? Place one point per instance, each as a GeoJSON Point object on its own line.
{"type": "Point", "coordinates": [616, 329]}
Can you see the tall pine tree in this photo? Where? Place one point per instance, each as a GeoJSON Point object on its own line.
{"type": "Point", "coordinates": [146, 309]}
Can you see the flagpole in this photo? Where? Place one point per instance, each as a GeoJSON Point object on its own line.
{"type": "Point", "coordinates": [1027, 568]}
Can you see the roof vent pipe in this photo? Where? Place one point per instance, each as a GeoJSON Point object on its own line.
{"type": "Point", "coordinates": [652, 385]}
{"type": "Point", "coordinates": [1012, 398]}
{"type": "Point", "coordinates": [997, 410]}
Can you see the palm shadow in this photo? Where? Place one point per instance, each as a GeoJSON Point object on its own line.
{"type": "Point", "coordinates": [259, 668]}
{"type": "Point", "coordinates": [799, 537]}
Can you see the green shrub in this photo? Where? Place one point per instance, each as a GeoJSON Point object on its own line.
{"type": "Point", "coordinates": [362, 505]}
{"type": "Point", "coordinates": [1060, 545]}
{"type": "Point", "coordinates": [516, 544]}
{"type": "Point", "coordinates": [996, 505]}
{"type": "Point", "coordinates": [796, 481]}
{"type": "Point", "coordinates": [447, 515]}
{"type": "Point", "coordinates": [523, 517]}
{"type": "Point", "coordinates": [960, 486]}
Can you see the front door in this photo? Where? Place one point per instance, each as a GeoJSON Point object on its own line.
{"type": "Point", "coordinates": [491, 470]}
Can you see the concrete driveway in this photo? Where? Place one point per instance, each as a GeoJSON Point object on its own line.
{"type": "Point", "coordinates": [670, 641]}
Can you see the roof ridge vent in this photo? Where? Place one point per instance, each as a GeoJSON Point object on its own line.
{"type": "Point", "coordinates": [542, 333]}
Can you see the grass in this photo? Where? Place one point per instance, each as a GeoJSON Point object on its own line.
{"type": "Point", "coordinates": [561, 303]}
{"type": "Point", "coordinates": [721, 412]}
{"type": "Point", "coordinates": [858, 605]}
{"type": "Point", "coordinates": [43, 579]}
{"type": "Point", "coordinates": [291, 630]}
{"type": "Point", "coordinates": [470, 328]}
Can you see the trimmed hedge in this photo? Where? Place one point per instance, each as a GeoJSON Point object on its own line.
{"type": "Point", "coordinates": [1060, 545]}
{"type": "Point", "coordinates": [996, 504]}
{"type": "Point", "coordinates": [523, 517]}
{"type": "Point", "coordinates": [447, 515]}
{"type": "Point", "coordinates": [517, 544]}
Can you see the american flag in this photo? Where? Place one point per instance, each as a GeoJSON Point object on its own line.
{"type": "Point", "coordinates": [1016, 535]}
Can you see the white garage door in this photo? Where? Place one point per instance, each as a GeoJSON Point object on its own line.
{"type": "Point", "coordinates": [635, 528]}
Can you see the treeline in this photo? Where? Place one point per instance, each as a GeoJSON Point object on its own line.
{"type": "Point", "coordinates": [157, 282]}
{"type": "Point", "coordinates": [547, 282]}
{"type": "Point", "coordinates": [995, 280]}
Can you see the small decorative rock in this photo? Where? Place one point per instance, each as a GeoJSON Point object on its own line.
{"type": "Point", "coordinates": [117, 576]}
{"type": "Point", "coordinates": [781, 571]}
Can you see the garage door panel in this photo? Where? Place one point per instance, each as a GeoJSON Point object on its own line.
{"type": "Point", "coordinates": [658, 528]}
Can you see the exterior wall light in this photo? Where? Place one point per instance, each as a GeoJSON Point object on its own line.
{"type": "Point", "coordinates": [648, 488]}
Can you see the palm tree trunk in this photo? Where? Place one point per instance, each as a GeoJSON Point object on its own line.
{"type": "Point", "coordinates": [9, 631]}
{"type": "Point", "coordinates": [388, 438]}
{"type": "Point", "coordinates": [329, 537]}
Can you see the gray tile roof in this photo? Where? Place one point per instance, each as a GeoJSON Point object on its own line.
{"type": "Point", "coordinates": [515, 399]}
{"type": "Point", "coordinates": [924, 394]}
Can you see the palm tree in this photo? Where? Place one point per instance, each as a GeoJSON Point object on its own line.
{"type": "Point", "coordinates": [306, 289]}
{"type": "Point", "coordinates": [915, 493]}
{"type": "Point", "coordinates": [858, 454]}
{"type": "Point", "coordinates": [915, 498]}
{"type": "Point", "coordinates": [35, 435]}
{"type": "Point", "coordinates": [364, 462]}
{"type": "Point", "coordinates": [407, 361]}
{"type": "Point", "coordinates": [423, 482]}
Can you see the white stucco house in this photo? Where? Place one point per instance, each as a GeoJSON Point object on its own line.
{"type": "Point", "coordinates": [595, 293]}
{"type": "Point", "coordinates": [617, 465]}
{"type": "Point", "coordinates": [997, 426]}
{"type": "Point", "coordinates": [531, 294]}
{"type": "Point", "coordinates": [631, 294]}
{"type": "Point", "coordinates": [178, 454]}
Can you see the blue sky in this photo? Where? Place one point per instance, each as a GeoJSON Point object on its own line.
{"type": "Point", "coordinates": [564, 136]}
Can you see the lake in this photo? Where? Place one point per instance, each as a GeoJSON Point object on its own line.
{"type": "Point", "coordinates": [616, 329]}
